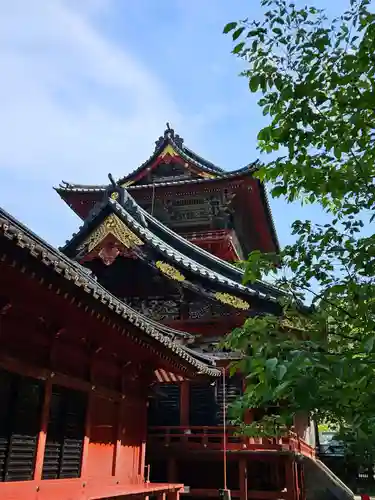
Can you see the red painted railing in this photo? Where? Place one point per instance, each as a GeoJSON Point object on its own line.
{"type": "Point", "coordinates": [213, 438]}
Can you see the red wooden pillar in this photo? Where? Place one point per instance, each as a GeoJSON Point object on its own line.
{"type": "Point", "coordinates": [142, 460]}
{"type": "Point", "coordinates": [243, 478]}
{"type": "Point", "coordinates": [172, 470]}
{"type": "Point", "coordinates": [116, 456]}
{"type": "Point", "coordinates": [184, 403]}
{"type": "Point", "coordinates": [301, 481]}
{"type": "Point", "coordinates": [43, 430]}
{"type": "Point", "coordinates": [291, 478]}
{"type": "Point", "coordinates": [161, 496]}
{"type": "Point", "coordinates": [86, 440]}
{"type": "Point", "coordinates": [173, 495]}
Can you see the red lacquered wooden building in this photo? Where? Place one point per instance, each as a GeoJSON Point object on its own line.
{"type": "Point", "coordinates": [162, 239]}
{"type": "Point", "coordinates": [76, 368]}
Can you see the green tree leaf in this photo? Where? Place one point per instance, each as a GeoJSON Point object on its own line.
{"type": "Point", "coordinates": [254, 83]}
{"type": "Point", "coordinates": [229, 27]}
{"type": "Point", "coordinates": [281, 371]}
{"type": "Point", "coordinates": [271, 364]}
{"type": "Point", "coordinates": [238, 32]}
{"type": "Point", "coordinates": [238, 48]}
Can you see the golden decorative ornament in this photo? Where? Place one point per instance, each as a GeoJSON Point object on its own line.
{"type": "Point", "coordinates": [114, 226]}
{"type": "Point", "coordinates": [126, 184]}
{"type": "Point", "coordinates": [206, 175]}
{"type": "Point", "coordinates": [168, 150]}
{"type": "Point", "coordinates": [115, 195]}
{"type": "Point", "coordinates": [231, 300]}
{"type": "Point", "coordinates": [169, 271]}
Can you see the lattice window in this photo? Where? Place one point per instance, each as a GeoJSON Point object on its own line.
{"type": "Point", "coordinates": [164, 407]}
{"type": "Point", "coordinates": [202, 405]}
{"type": "Point", "coordinates": [20, 411]}
{"type": "Point", "coordinates": [65, 434]}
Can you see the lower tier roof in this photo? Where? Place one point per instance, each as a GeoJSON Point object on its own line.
{"type": "Point", "coordinates": [20, 236]}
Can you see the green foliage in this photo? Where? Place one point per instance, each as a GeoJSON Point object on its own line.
{"type": "Point", "coordinates": [317, 83]}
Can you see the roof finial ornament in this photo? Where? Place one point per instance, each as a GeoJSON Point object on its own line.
{"type": "Point", "coordinates": [169, 132]}
{"type": "Point", "coordinates": [114, 191]}
{"type": "Point", "coordinates": [112, 181]}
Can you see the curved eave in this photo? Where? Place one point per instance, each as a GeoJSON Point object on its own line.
{"type": "Point", "coordinates": [202, 161]}
{"type": "Point", "coordinates": [265, 199]}
{"type": "Point", "coordinates": [219, 281]}
{"type": "Point", "coordinates": [211, 260]}
{"type": "Point", "coordinates": [67, 187]}
{"type": "Point", "coordinates": [71, 271]}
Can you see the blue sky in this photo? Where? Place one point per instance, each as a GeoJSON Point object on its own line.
{"type": "Point", "coordinates": [87, 86]}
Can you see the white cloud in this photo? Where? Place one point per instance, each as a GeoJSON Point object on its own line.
{"type": "Point", "coordinates": [73, 103]}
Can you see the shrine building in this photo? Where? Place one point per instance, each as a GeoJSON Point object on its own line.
{"type": "Point", "coordinates": [110, 368]}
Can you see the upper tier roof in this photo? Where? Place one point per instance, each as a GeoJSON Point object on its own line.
{"type": "Point", "coordinates": [121, 217]}
{"type": "Point", "coordinates": [168, 147]}
{"type": "Point", "coordinates": [173, 166]}
{"type": "Point", "coordinates": [172, 145]}
{"type": "Point", "coordinates": [73, 272]}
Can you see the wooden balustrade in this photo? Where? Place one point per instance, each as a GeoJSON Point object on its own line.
{"type": "Point", "coordinates": [212, 438]}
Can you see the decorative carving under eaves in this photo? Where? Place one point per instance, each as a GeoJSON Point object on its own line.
{"type": "Point", "coordinates": [169, 271]}
{"type": "Point", "coordinates": [111, 225]}
{"type": "Point", "coordinates": [199, 310]}
{"type": "Point", "coordinates": [206, 310]}
{"type": "Point", "coordinates": [232, 300]}
{"type": "Point", "coordinates": [157, 308]}
{"type": "Point", "coordinates": [198, 214]}
{"type": "Point", "coordinates": [214, 204]}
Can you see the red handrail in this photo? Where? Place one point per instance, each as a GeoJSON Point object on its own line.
{"type": "Point", "coordinates": [213, 437]}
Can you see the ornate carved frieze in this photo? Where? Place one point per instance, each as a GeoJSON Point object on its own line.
{"type": "Point", "coordinates": [206, 210]}
{"type": "Point", "coordinates": [160, 308]}
{"type": "Point", "coordinates": [157, 308]}
{"type": "Point", "coordinates": [206, 310]}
